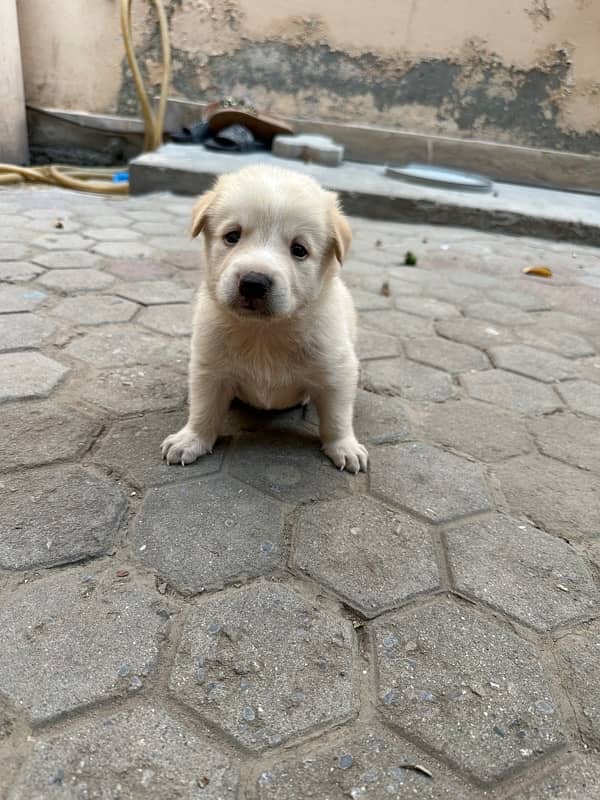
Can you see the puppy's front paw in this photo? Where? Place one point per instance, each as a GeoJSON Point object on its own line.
{"type": "Point", "coordinates": [184, 447]}
{"type": "Point", "coordinates": [348, 454]}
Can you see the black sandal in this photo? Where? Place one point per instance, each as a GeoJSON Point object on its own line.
{"type": "Point", "coordinates": [234, 139]}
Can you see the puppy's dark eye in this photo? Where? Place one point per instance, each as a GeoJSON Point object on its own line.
{"type": "Point", "coordinates": [232, 237]}
{"type": "Point", "coordinates": [298, 251]}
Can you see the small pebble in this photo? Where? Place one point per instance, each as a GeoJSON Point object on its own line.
{"type": "Point", "coordinates": [248, 714]}
{"type": "Point", "coordinates": [124, 671]}
{"type": "Point", "coordinates": [390, 641]}
{"type": "Point", "coordinates": [267, 547]}
{"type": "Point", "coordinates": [214, 627]}
{"type": "Point", "coordinates": [136, 683]}
{"type": "Point", "coordinates": [58, 776]}
{"type": "Point", "coordinates": [346, 761]}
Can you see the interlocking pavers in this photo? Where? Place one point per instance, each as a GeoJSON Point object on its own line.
{"type": "Point", "coordinates": [265, 664]}
{"type": "Point", "coordinates": [14, 299]}
{"type": "Point", "coordinates": [568, 438]}
{"type": "Point", "coordinates": [17, 271]}
{"type": "Point", "coordinates": [577, 780]}
{"type": "Point", "coordinates": [62, 241]}
{"type": "Point", "coordinates": [496, 312]}
{"type": "Point", "coordinates": [68, 259]}
{"type": "Point", "coordinates": [582, 396]}
{"type": "Point", "coordinates": [24, 331]}
{"type": "Point", "coordinates": [172, 320]}
{"type": "Point", "coordinates": [379, 418]}
{"type": "Point", "coordinates": [27, 375]}
{"type": "Point", "coordinates": [399, 376]}
{"type": "Point", "coordinates": [76, 280]}
{"type": "Point", "coordinates": [374, 344]}
{"type": "Point", "coordinates": [474, 332]}
{"type": "Point", "coordinates": [508, 390]}
{"type": "Point", "coordinates": [151, 293]}
{"type": "Point", "coordinates": [129, 390]}
{"type": "Point", "coordinates": [443, 354]}
{"type": "Point", "coordinates": [94, 309]}
{"type": "Point", "coordinates": [123, 345]}
{"type": "Point", "coordinates": [533, 363]}
{"type": "Point", "coordinates": [427, 307]}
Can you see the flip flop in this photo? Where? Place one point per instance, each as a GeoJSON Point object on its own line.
{"type": "Point", "coordinates": [262, 127]}
{"type": "Point", "coordinates": [196, 134]}
{"type": "Point", "coordinates": [234, 139]}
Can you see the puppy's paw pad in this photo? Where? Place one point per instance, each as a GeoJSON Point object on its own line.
{"type": "Point", "coordinates": [184, 447]}
{"type": "Point", "coordinates": [348, 454]}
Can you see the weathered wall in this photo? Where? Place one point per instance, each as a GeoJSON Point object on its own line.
{"type": "Point", "coordinates": [518, 71]}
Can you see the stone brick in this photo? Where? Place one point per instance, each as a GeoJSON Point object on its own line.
{"type": "Point", "coordinates": [580, 652]}
{"type": "Point", "coordinates": [158, 228]}
{"type": "Point", "coordinates": [446, 355]}
{"type": "Point", "coordinates": [406, 379]}
{"type": "Point", "coordinates": [123, 250]}
{"type": "Point", "coordinates": [124, 345]}
{"type": "Point", "coordinates": [582, 396]}
{"type": "Point", "coordinates": [19, 298]}
{"type": "Point", "coordinates": [519, 299]}
{"type": "Point", "coordinates": [474, 332]}
{"type": "Point", "coordinates": [373, 344]}
{"type": "Point", "coordinates": [369, 301]}
{"type": "Point", "coordinates": [94, 309]}
{"type": "Point", "coordinates": [428, 481]}
{"type": "Point", "coordinates": [134, 270]}
{"type": "Point", "coordinates": [340, 542]}
{"type": "Point", "coordinates": [570, 345]}
{"type": "Point", "coordinates": [511, 391]}
{"type": "Point", "coordinates": [23, 331]}
{"type": "Point", "coordinates": [468, 688]}
{"type": "Point", "coordinates": [76, 280]}
{"type": "Point", "coordinates": [569, 438]}
{"type": "Point", "coordinates": [533, 363]}
{"type": "Point", "coordinates": [28, 375]}
{"type": "Point", "coordinates": [133, 390]}
{"type": "Point", "coordinates": [396, 323]}
{"type": "Point", "coordinates": [535, 578]}
{"type": "Point", "coordinates": [17, 271]}
{"type": "Point", "coordinates": [181, 244]}
{"type": "Point", "coordinates": [112, 234]}
{"type": "Point", "coordinates": [495, 312]}
{"type": "Point", "coordinates": [11, 251]}
{"type": "Point", "coordinates": [380, 419]}
{"type": "Point", "coordinates": [265, 664]}
{"type": "Point", "coordinates": [578, 780]}
{"type": "Point", "coordinates": [68, 259]}
{"type": "Point", "coordinates": [427, 307]}
{"type": "Point", "coordinates": [76, 638]}
{"type": "Point", "coordinates": [62, 241]}
{"type": "Point", "coordinates": [151, 293]}
{"type": "Point", "coordinates": [172, 320]}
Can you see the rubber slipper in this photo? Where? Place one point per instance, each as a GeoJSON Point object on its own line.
{"type": "Point", "coordinates": [196, 134]}
{"type": "Point", "coordinates": [234, 139]}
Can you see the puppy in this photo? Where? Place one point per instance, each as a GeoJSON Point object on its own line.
{"type": "Point", "coordinates": [274, 325]}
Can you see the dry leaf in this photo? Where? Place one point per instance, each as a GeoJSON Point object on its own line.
{"type": "Point", "coordinates": [385, 289]}
{"type": "Point", "coordinates": [539, 271]}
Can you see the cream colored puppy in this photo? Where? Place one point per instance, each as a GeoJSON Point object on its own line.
{"type": "Point", "coordinates": [274, 325]}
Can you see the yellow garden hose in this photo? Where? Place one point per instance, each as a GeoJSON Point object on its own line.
{"type": "Point", "coordinates": [100, 180]}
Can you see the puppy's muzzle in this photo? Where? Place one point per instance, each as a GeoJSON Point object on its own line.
{"type": "Point", "coordinates": [254, 286]}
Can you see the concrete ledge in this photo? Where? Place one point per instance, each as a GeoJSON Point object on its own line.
{"type": "Point", "coordinates": [366, 191]}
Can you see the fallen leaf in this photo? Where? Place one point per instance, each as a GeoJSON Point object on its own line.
{"type": "Point", "coordinates": [538, 271]}
{"type": "Point", "coordinates": [385, 289]}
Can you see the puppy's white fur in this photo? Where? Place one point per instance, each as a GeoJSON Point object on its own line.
{"type": "Point", "coordinates": [297, 344]}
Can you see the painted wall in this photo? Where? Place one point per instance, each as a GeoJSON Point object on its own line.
{"type": "Point", "coordinates": [518, 71]}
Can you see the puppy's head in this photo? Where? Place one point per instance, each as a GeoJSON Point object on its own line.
{"type": "Point", "coordinates": [272, 238]}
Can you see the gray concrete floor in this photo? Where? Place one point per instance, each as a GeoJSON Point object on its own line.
{"type": "Point", "coordinates": [259, 625]}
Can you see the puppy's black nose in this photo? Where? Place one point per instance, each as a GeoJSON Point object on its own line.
{"type": "Point", "coordinates": [254, 285]}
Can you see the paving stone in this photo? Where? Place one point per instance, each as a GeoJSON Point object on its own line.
{"type": "Point", "coordinates": [107, 220]}
{"type": "Point", "coordinates": [396, 323]}
{"type": "Point", "coordinates": [511, 391]}
{"type": "Point", "coordinates": [172, 320]}
{"type": "Point", "coordinates": [498, 313]}
{"type": "Point", "coordinates": [533, 363]}
{"type": "Point", "coordinates": [132, 390]}
{"type": "Point", "coordinates": [480, 431]}
{"type": "Point", "coordinates": [11, 251]}
{"type": "Point", "coordinates": [341, 542]}
{"type": "Point", "coordinates": [398, 376]}
{"type": "Point", "coordinates": [375, 280]}
{"type": "Point", "coordinates": [179, 243]}
{"type": "Point", "coordinates": [23, 331]}
{"type": "Point", "coordinates": [557, 497]}
{"type": "Point", "coordinates": [76, 638]}
{"type": "Point", "coordinates": [76, 280]}
{"type": "Point", "coordinates": [150, 293]}
{"type": "Point", "coordinates": [184, 259]}
{"type": "Point", "coordinates": [580, 651]}
{"type": "Point", "coordinates": [535, 578]}
{"type": "Point", "coordinates": [133, 270]}
{"type": "Point", "coordinates": [242, 418]}
{"type": "Point", "coordinates": [39, 433]}
{"type": "Point", "coordinates": [123, 250]}
{"type": "Point", "coordinates": [578, 780]}
{"type": "Point", "coordinates": [582, 396]}
{"type": "Point", "coordinates": [94, 309]}
{"type": "Point", "coordinates": [371, 764]}
{"type": "Point", "coordinates": [68, 259]}
{"type": "Point", "coordinates": [446, 355]}
{"type": "Point", "coordinates": [56, 515]}
{"type": "Point", "coordinates": [132, 448]}
{"type": "Point", "coordinates": [569, 438]}
{"type": "Point", "coordinates": [589, 369]}
{"type": "Point", "coordinates": [423, 479]}
{"type": "Point", "coordinates": [62, 241]}
{"type": "Point", "coordinates": [566, 322]}
{"type": "Point", "coordinates": [150, 216]}
{"type": "Point", "coordinates": [369, 301]}
{"type": "Point", "coordinates": [467, 688]}
{"type": "Point", "coordinates": [28, 375]}
{"type": "Point", "coordinates": [19, 298]}
{"type": "Point", "coordinates": [17, 271]}
{"type": "Point", "coordinates": [373, 344]}
{"type": "Point", "coordinates": [453, 294]}
{"type": "Point", "coordinates": [474, 332]}
{"type": "Point", "coordinates": [124, 345]}
{"type": "Point", "coordinates": [520, 299]}
{"type": "Point", "coordinates": [380, 419]}
{"type": "Point", "coordinates": [570, 345]}
{"type": "Point", "coordinates": [590, 280]}
{"type": "Point", "coordinates": [156, 228]}
{"type": "Point", "coordinates": [218, 531]}
{"type": "Point", "coordinates": [265, 664]}
{"type": "Point", "coordinates": [136, 753]}
{"type": "Point", "coordinates": [112, 234]}
{"type": "Point", "coordinates": [426, 307]}
{"type": "Point", "coordinates": [475, 279]}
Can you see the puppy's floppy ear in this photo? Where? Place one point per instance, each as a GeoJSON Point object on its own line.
{"type": "Point", "coordinates": [342, 235]}
{"type": "Point", "coordinates": [199, 212]}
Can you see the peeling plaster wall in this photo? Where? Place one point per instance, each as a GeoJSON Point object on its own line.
{"type": "Point", "coordinates": [519, 71]}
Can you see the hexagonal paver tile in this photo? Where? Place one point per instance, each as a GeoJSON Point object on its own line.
{"type": "Point", "coordinates": [480, 430]}
{"type": "Point", "coordinates": [495, 312]}
{"type": "Point", "coordinates": [56, 515]}
{"type": "Point", "coordinates": [168, 243]}
{"type": "Point", "coordinates": [511, 391]}
{"type": "Point", "coordinates": [468, 688]}
{"type": "Point", "coordinates": [94, 309]}
{"type": "Point", "coordinates": [136, 753]}
{"type": "Point", "coordinates": [135, 270]}
{"type": "Point", "coordinates": [397, 323]}
{"type": "Point", "coordinates": [39, 433]}
{"type": "Point", "coordinates": [428, 481]}
{"type": "Point", "coordinates": [373, 344]}
{"type": "Point", "coordinates": [559, 498]}
{"type": "Point", "coordinates": [580, 652]}
{"type": "Point", "coordinates": [520, 299]}
{"type": "Point", "coordinates": [157, 228]}
{"type": "Point", "coordinates": [474, 332]}
{"type": "Point", "coordinates": [11, 251]}
{"type": "Point", "coordinates": [570, 345]}
{"type": "Point", "coordinates": [265, 664]}
{"type": "Point", "coordinates": [112, 234]}
{"type": "Point", "coordinates": [151, 293]}
{"type": "Point", "coordinates": [132, 448]}
{"type": "Point", "coordinates": [68, 259]}
{"type": "Point", "coordinates": [380, 419]}
{"type": "Point", "coordinates": [122, 250]}
{"type": "Point", "coordinates": [533, 363]}
{"type": "Point", "coordinates": [172, 320]}
{"type": "Point", "coordinates": [18, 271]}
{"type": "Point", "coordinates": [219, 531]}
{"type": "Point", "coordinates": [289, 467]}
{"type": "Point", "coordinates": [578, 780]}
{"type": "Point", "coordinates": [23, 331]}
{"type": "Point", "coordinates": [76, 280]}
{"type": "Point", "coordinates": [130, 390]}
{"type": "Point", "coordinates": [369, 301]}
{"type": "Point", "coordinates": [582, 396]}
{"type": "Point", "coordinates": [56, 628]}
{"type": "Point", "coordinates": [446, 355]}
{"type": "Point", "coordinates": [535, 578]}
{"type": "Point", "coordinates": [62, 241]}
{"type": "Point", "coordinates": [19, 298]}
{"type": "Point", "coordinates": [398, 376]}
{"type": "Point", "coordinates": [124, 345]}
{"type": "Point", "coordinates": [373, 764]}
{"type": "Point", "coordinates": [372, 557]}
{"type": "Point", "coordinates": [28, 375]}
{"type": "Point", "coordinates": [475, 279]}
{"type": "Point", "coordinates": [426, 307]}
{"type": "Point", "coordinates": [569, 438]}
